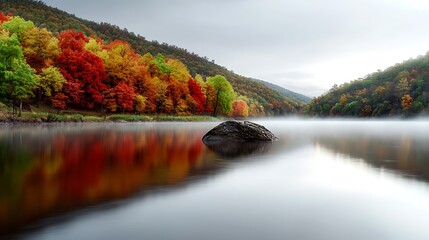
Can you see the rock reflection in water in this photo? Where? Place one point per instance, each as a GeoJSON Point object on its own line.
{"type": "Point", "coordinates": [233, 149]}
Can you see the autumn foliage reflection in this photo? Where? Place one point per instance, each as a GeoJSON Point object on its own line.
{"type": "Point", "coordinates": [70, 170]}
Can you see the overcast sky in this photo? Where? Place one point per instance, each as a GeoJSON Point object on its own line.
{"type": "Point", "coordinates": [304, 45]}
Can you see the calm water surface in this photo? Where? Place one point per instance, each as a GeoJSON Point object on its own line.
{"type": "Point", "coordinates": [321, 180]}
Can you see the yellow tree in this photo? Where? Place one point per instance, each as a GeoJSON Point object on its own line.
{"type": "Point", "coordinates": [51, 81]}
{"type": "Point", "coordinates": [122, 63]}
{"type": "Point", "coordinates": [178, 71]}
{"type": "Point", "coordinates": [403, 86]}
{"type": "Point", "coordinates": [407, 102]}
{"type": "Point", "coordinates": [160, 95]}
{"type": "Point", "coordinates": [147, 87]}
{"type": "Point", "coordinates": [96, 46]}
{"type": "Point", "coordinates": [40, 48]}
{"type": "Point", "coordinates": [140, 103]}
{"type": "Point", "coordinates": [344, 98]}
{"type": "Point", "coordinates": [201, 82]}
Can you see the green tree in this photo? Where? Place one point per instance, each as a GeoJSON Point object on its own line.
{"type": "Point", "coordinates": [18, 26]}
{"type": "Point", "coordinates": [223, 95]}
{"type": "Point", "coordinates": [382, 109]}
{"type": "Point", "coordinates": [17, 78]}
{"type": "Point", "coordinates": [352, 108]}
{"type": "Point", "coordinates": [336, 109]}
{"type": "Point", "coordinates": [417, 107]}
{"type": "Point", "coordinates": [160, 61]}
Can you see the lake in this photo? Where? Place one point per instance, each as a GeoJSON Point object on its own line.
{"type": "Point", "coordinates": [324, 179]}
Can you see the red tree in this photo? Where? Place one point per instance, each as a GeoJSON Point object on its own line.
{"type": "Point", "coordinates": [197, 94]}
{"type": "Point", "coordinates": [121, 97]}
{"type": "Point", "coordinates": [109, 100]}
{"type": "Point", "coordinates": [59, 101]}
{"type": "Point", "coordinates": [125, 96]}
{"type": "Point", "coordinates": [72, 40]}
{"type": "Point", "coordinates": [83, 70]}
{"type": "Point", "coordinates": [3, 18]}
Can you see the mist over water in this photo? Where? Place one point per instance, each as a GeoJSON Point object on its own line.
{"type": "Point", "coordinates": [324, 179]}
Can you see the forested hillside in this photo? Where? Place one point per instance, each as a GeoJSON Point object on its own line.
{"type": "Point", "coordinates": [72, 70]}
{"type": "Point", "coordinates": [265, 100]}
{"type": "Point", "coordinates": [285, 92]}
{"type": "Point", "coordinates": [399, 90]}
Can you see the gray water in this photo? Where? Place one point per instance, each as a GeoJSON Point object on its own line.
{"type": "Point", "coordinates": [321, 180]}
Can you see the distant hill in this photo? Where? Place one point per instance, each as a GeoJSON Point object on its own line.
{"type": "Point", "coordinates": [57, 20]}
{"type": "Point", "coordinates": [285, 92]}
{"type": "Point", "coordinates": [402, 89]}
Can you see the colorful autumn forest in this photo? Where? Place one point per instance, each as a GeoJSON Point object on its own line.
{"type": "Point", "coordinates": [155, 78]}
{"type": "Point", "coordinates": [401, 90]}
{"type": "Point", "coordinates": [72, 70]}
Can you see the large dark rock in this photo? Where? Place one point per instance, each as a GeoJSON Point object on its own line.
{"type": "Point", "coordinates": [238, 131]}
{"type": "Point", "coordinates": [236, 139]}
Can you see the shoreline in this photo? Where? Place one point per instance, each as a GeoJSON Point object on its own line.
{"type": "Point", "coordinates": [47, 118]}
